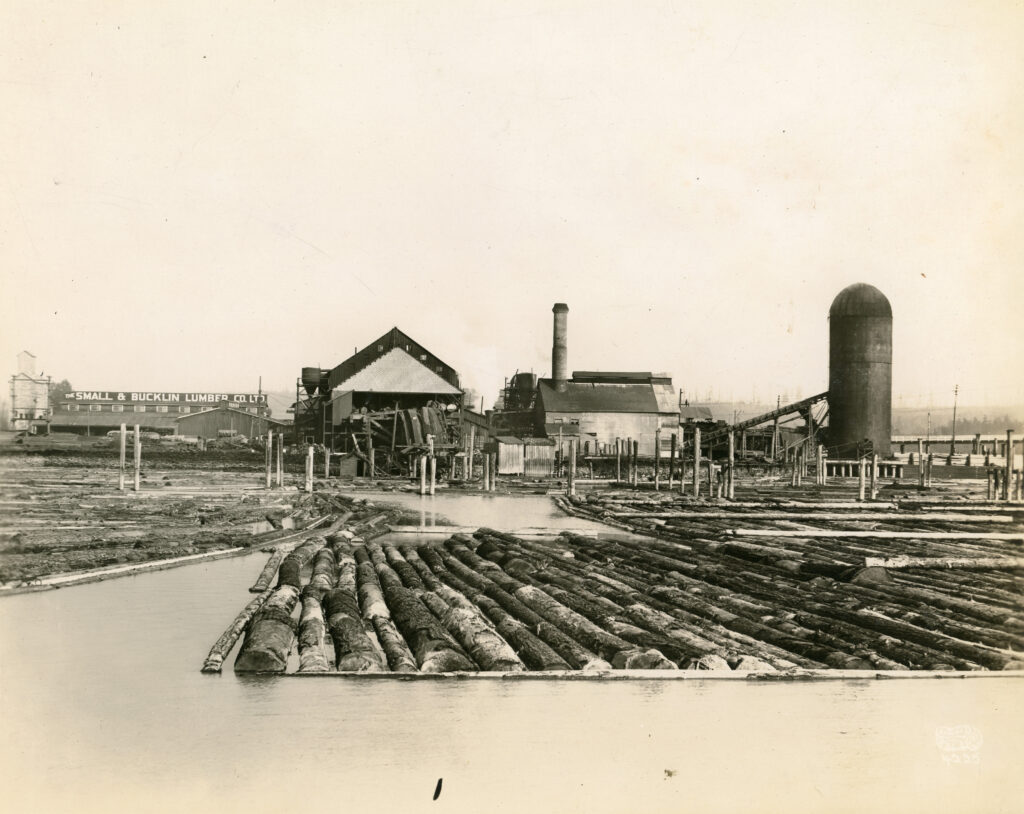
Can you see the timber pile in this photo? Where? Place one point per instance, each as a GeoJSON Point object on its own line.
{"type": "Point", "coordinates": [496, 602]}
{"type": "Point", "coordinates": [700, 585]}
{"type": "Point", "coordinates": [62, 515]}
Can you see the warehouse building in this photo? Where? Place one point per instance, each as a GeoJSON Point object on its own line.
{"type": "Point", "coordinates": [225, 420]}
{"type": "Point", "coordinates": [602, 407]}
{"type": "Point", "coordinates": [96, 412]}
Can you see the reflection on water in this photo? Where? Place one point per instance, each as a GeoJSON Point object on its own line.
{"type": "Point", "coordinates": [104, 708]}
{"type": "Point", "coordinates": [493, 511]}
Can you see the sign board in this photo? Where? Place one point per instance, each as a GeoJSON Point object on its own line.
{"type": "Point", "coordinates": [129, 397]}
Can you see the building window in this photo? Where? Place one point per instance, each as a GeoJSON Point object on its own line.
{"type": "Point", "coordinates": [162, 408]}
{"type": "Point", "coordinates": [95, 408]}
{"type": "Point", "coordinates": [184, 409]}
{"type": "Point", "coordinates": [117, 408]}
{"type": "Point", "coordinates": [140, 408]}
{"type": "Point", "coordinates": [423, 357]}
{"type": "Point", "coordinates": [438, 368]}
{"type": "Point", "coordinates": [380, 349]}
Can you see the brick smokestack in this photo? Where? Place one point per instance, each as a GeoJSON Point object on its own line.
{"type": "Point", "coordinates": [559, 346]}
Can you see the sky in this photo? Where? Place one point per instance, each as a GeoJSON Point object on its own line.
{"type": "Point", "coordinates": [197, 195]}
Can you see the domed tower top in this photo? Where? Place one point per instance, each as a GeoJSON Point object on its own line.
{"type": "Point", "coordinates": [860, 300]}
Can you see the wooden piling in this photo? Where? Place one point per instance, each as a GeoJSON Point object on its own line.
{"type": "Point", "coordinates": [696, 462]}
{"type": "Point", "coordinates": [138, 458]}
{"type": "Point", "coordinates": [862, 478]}
{"type": "Point", "coordinates": [990, 479]}
{"type": "Point", "coordinates": [327, 463]}
{"type": "Point", "coordinates": [874, 476]}
{"type": "Point", "coordinates": [309, 469]}
{"type": "Point", "coordinates": [433, 474]}
{"type": "Point", "coordinates": [472, 451]}
{"type": "Point", "coordinates": [627, 455]}
{"type": "Point", "coordinates": [672, 463]}
{"type": "Point", "coordinates": [494, 471]}
{"type": "Point", "coordinates": [423, 474]}
{"type": "Point", "coordinates": [920, 461]}
{"type": "Point", "coordinates": [270, 455]}
{"type": "Point", "coordinates": [1008, 479]}
{"type": "Point", "coordinates": [280, 460]}
{"type": "Point", "coordinates": [572, 468]}
{"type": "Point", "coordinates": [657, 460]}
{"type": "Point", "coordinates": [120, 477]}
{"type": "Point", "coordinates": [636, 463]}
{"type": "Point", "coordinates": [682, 460]}
{"type": "Point", "coordinates": [931, 462]}
{"type": "Point", "coordinates": [731, 482]}
{"type": "Point", "coordinates": [486, 485]}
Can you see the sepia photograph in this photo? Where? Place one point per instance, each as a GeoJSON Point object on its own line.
{"type": "Point", "coordinates": [544, 406]}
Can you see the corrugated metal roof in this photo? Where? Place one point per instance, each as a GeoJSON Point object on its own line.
{"type": "Point", "coordinates": [625, 377]}
{"type": "Point", "coordinates": [696, 413]}
{"type": "Point", "coordinates": [235, 410]}
{"type": "Point", "coordinates": [98, 419]}
{"type": "Point", "coordinates": [576, 397]}
{"type": "Point", "coordinates": [394, 338]}
{"type": "Point", "coordinates": [398, 372]}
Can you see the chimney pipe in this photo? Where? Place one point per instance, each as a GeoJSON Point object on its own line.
{"type": "Point", "coordinates": [559, 347]}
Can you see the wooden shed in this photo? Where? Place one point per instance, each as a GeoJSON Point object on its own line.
{"type": "Point", "coordinates": [538, 457]}
{"type": "Point", "coordinates": [210, 423]}
{"type": "Point", "coordinates": [510, 454]}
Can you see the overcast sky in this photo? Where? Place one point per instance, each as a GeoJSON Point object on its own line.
{"type": "Point", "coordinates": [196, 194]}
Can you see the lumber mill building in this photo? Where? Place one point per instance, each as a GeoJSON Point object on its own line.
{"type": "Point", "coordinates": [96, 412]}
{"type": "Point", "coordinates": [592, 407]}
{"type": "Point", "coordinates": [601, 407]}
{"type": "Point", "coordinates": [391, 395]}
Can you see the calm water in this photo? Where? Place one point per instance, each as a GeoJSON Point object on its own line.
{"type": "Point", "coordinates": [103, 708]}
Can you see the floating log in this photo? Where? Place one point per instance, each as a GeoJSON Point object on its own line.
{"type": "Point", "coordinates": [370, 597]}
{"type": "Point", "coordinates": [576, 655]}
{"type": "Point", "coordinates": [353, 649]}
{"type": "Point", "coordinates": [224, 645]}
{"type": "Point", "coordinates": [271, 634]}
{"type": "Point", "coordinates": [477, 637]}
{"type": "Point", "coordinates": [435, 650]}
{"type": "Point", "coordinates": [312, 653]}
{"type": "Point", "coordinates": [269, 571]}
{"type": "Point", "coordinates": [323, 577]}
{"type": "Point", "coordinates": [535, 654]}
{"type": "Point", "coordinates": [605, 644]}
{"type": "Point", "coordinates": [292, 565]}
{"type": "Point", "coordinates": [399, 656]}
{"type": "Point", "coordinates": [962, 563]}
{"type": "Point", "coordinates": [883, 535]}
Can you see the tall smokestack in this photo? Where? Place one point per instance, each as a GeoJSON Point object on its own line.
{"type": "Point", "coordinates": [559, 346]}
